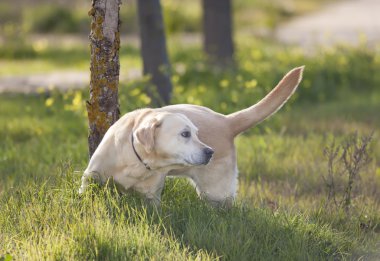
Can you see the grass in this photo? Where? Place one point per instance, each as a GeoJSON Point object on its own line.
{"type": "Point", "coordinates": [44, 218]}
{"type": "Point", "coordinates": [48, 58]}
{"type": "Point", "coordinates": [281, 209]}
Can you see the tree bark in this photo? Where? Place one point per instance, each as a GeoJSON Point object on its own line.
{"type": "Point", "coordinates": [103, 106]}
{"type": "Point", "coordinates": [153, 50]}
{"type": "Point", "coordinates": [217, 31]}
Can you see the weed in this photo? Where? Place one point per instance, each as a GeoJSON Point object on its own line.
{"type": "Point", "coordinates": [345, 162]}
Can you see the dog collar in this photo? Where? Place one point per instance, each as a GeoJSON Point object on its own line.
{"type": "Point", "coordinates": [137, 155]}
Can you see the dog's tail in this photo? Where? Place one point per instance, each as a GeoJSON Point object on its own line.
{"type": "Point", "coordinates": [244, 119]}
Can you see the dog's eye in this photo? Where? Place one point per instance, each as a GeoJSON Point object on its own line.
{"type": "Point", "coordinates": [186, 134]}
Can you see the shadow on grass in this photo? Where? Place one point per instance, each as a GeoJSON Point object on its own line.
{"type": "Point", "coordinates": [244, 233]}
{"type": "Point", "coordinates": [104, 225]}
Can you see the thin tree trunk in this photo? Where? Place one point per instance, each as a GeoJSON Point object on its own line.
{"type": "Point", "coordinates": [217, 31]}
{"type": "Point", "coordinates": [153, 50]}
{"type": "Point", "coordinates": [103, 106]}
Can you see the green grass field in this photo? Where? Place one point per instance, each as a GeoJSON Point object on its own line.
{"type": "Point", "coordinates": [282, 211]}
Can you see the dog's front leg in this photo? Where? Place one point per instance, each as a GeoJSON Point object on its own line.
{"type": "Point", "coordinates": [87, 179]}
{"type": "Point", "coordinates": [151, 188]}
{"type": "Point", "coordinates": [217, 182]}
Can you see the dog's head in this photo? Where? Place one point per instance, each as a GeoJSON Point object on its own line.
{"type": "Point", "coordinates": [172, 139]}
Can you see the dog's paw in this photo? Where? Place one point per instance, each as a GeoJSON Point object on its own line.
{"type": "Point", "coordinates": [81, 190]}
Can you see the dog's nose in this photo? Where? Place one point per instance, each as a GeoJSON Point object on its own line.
{"type": "Point", "coordinates": [208, 152]}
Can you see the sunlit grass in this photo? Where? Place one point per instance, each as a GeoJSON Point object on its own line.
{"type": "Point", "coordinates": [53, 59]}
{"type": "Point", "coordinates": [280, 211]}
{"type": "Point", "coordinates": [278, 214]}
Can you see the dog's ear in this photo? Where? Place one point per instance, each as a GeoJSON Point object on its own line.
{"type": "Point", "coordinates": [145, 134]}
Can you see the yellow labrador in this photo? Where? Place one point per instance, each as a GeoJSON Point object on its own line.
{"type": "Point", "coordinates": [142, 147]}
{"type": "Point", "coordinates": [146, 145]}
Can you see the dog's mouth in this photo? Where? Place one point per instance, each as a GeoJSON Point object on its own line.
{"type": "Point", "coordinates": [204, 161]}
{"type": "Point", "coordinates": [202, 158]}
{"type": "Point", "coordinates": [189, 163]}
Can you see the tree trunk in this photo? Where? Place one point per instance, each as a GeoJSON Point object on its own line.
{"type": "Point", "coordinates": [103, 106]}
{"type": "Point", "coordinates": [217, 31]}
{"type": "Point", "coordinates": [153, 50]}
